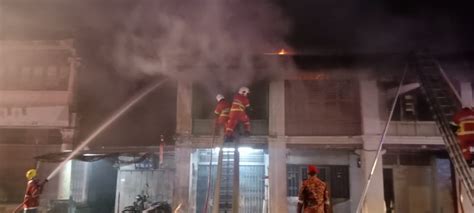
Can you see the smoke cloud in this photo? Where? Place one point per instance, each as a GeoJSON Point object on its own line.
{"type": "Point", "coordinates": [219, 44]}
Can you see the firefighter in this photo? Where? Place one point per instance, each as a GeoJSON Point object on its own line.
{"type": "Point", "coordinates": [464, 121]}
{"type": "Point", "coordinates": [222, 112]}
{"type": "Point", "coordinates": [33, 191]}
{"type": "Point", "coordinates": [238, 114]}
{"type": "Point", "coordinates": [313, 196]}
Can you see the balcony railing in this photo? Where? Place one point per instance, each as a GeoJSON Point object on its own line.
{"type": "Point", "coordinates": [204, 127]}
{"type": "Point", "coordinates": [413, 128]}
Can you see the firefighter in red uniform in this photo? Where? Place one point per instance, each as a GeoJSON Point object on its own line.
{"type": "Point", "coordinates": [464, 120]}
{"type": "Point", "coordinates": [222, 112]}
{"type": "Point", "coordinates": [33, 190]}
{"type": "Point", "coordinates": [313, 196]}
{"type": "Point", "coordinates": [237, 113]}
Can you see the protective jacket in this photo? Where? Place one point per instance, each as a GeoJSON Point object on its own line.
{"type": "Point", "coordinates": [237, 114]}
{"type": "Point", "coordinates": [32, 194]}
{"type": "Point", "coordinates": [314, 196]}
{"type": "Point", "coordinates": [464, 119]}
{"type": "Point", "coordinates": [222, 112]}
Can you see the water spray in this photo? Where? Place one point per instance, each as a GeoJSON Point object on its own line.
{"type": "Point", "coordinates": [178, 208]}
{"type": "Point", "coordinates": [106, 124]}
{"type": "Point", "coordinates": [382, 140]}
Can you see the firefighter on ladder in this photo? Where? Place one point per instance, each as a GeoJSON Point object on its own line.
{"type": "Point", "coordinates": [313, 196]}
{"type": "Point", "coordinates": [222, 113]}
{"type": "Point", "coordinates": [33, 191]}
{"type": "Point", "coordinates": [238, 114]}
{"type": "Point", "coordinates": [464, 121]}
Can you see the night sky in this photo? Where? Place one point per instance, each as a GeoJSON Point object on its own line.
{"type": "Point", "coordinates": [376, 25]}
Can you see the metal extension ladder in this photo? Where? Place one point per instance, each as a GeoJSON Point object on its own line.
{"type": "Point", "coordinates": [226, 189]}
{"type": "Point", "coordinates": [444, 103]}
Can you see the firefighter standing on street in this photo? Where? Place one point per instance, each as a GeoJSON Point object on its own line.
{"type": "Point", "coordinates": [464, 121]}
{"type": "Point", "coordinates": [313, 195]}
{"type": "Point", "coordinates": [222, 112]}
{"type": "Point", "coordinates": [238, 114]}
{"type": "Point", "coordinates": [33, 191]}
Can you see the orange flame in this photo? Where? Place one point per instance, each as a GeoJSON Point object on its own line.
{"type": "Point", "coordinates": [282, 52]}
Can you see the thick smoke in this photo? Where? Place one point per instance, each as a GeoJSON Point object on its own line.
{"type": "Point", "coordinates": [217, 43]}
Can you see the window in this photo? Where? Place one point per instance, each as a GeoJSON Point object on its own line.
{"type": "Point", "coordinates": [323, 107]}
{"type": "Point", "coordinates": [411, 106]}
{"type": "Point", "coordinates": [34, 70]}
{"type": "Point", "coordinates": [204, 102]}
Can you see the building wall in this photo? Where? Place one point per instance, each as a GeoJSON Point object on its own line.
{"type": "Point", "coordinates": [421, 182]}
{"type": "Point", "coordinates": [413, 188]}
{"type": "Point", "coordinates": [15, 160]}
{"type": "Point", "coordinates": [157, 183]}
{"type": "Point", "coordinates": [323, 107]}
{"type": "Point", "coordinates": [315, 119]}
{"type": "Point", "coordinates": [37, 81]}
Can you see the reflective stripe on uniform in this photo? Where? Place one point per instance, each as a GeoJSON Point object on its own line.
{"type": "Point", "coordinates": [462, 127]}
{"type": "Point", "coordinates": [225, 112]}
{"type": "Point", "coordinates": [239, 105]}
{"type": "Point", "coordinates": [466, 133]}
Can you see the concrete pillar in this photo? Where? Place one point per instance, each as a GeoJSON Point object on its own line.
{"type": "Point", "coordinates": [277, 149]}
{"type": "Point", "coordinates": [74, 63]}
{"type": "Point", "coordinates": [182, 181]}
{"type": "Point", "coordinates": [371, 130]}
{"type": "Point", "coordinates": [64, 188]}
{"type": "Point", "coordinates": [369, 105]}
{"type": "Point", "coordinates": [184, 108]}
{"type": "Point", "coordinates": [67, 135]}
{"type": "Point", "coordinates": [466, 93]}
{"type": "Point", "coordinates": [276, 120]}
{"type": "Point", "coordinates": [374, 200]}
{"type": "Point", "coordinates": [277, 176]}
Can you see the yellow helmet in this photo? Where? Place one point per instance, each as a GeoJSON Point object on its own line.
{"type": "Point", "coordinates": [30, 174]}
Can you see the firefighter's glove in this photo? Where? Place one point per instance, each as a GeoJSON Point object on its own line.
{"type": "Point", "coordinates": [454, 127]}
